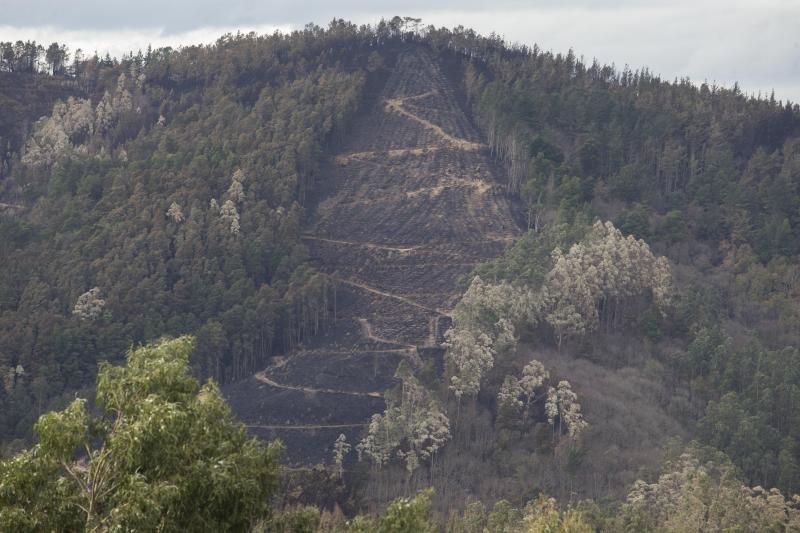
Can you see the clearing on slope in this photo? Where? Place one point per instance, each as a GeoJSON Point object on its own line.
{"type": "Point", "coordinates": [409, 205]}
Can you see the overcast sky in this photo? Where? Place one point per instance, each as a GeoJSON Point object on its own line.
{"type": "Point", "coordinates": [756, 43]}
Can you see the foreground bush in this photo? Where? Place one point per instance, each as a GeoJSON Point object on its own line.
{"type": "Point", "coordinates": [161, 453]}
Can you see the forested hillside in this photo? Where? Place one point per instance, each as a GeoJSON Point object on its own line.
{"type": "Point", "coordinates": [422, 258]}
{"type": "Point", "coordinates": [709, 179]}
{"type": "Point", "coordinates": [165, 196]}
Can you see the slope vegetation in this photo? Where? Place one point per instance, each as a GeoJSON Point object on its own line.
{"type": "Point", "coordinates": [408, 206]}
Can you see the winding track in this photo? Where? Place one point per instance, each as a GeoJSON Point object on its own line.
{"type": "Point", "coordinates": [407, 208]}
{"type": "Point", "coordinates": [264, 377]}
{"type": "Point", "coordinates": [373, 290]}
{"type": "Point", "coordinates": [402, 250]}
{"type": "Point", "coordinates": [396, 105]}
{"type": "Point", "coordinates": [307, 427]}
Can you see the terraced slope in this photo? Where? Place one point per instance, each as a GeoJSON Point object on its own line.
{"type": "Point", "coordinates": [408, 206]}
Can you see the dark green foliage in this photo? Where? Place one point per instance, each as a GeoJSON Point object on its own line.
{"type": "Point", "coordinates": [299, 519]}
{"type": "Point", "coordinates": [166, 454]}
{"type": "Point", "coordinates": [265, 107]}
{"type": "Point", "coordinates": [755, 420]}
{"type": "Point", "coordinates": [503, 517]}
{"type": "Point", "coordinates": [627, 183]}
{"type": "Point", "coordinates": [639, 138]}
{"type": "Point", "coordinates": [694, 172]}
{"type": "Point", "coordinates": [529, 259]}
{"type": "Point", "coordinates": [635, 221]}
{"type": "Point", "coordinates": [673, 228]}
{"type": "Point", "coordinates": [404, 515]}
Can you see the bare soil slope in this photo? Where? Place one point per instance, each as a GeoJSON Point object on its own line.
{"type": "Point", "coordinates": [410, 205]}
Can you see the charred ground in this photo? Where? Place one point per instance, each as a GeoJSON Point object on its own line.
{"type": "Point", "coordinates": [410, 204]}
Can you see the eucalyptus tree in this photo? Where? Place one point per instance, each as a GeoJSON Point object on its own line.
{"type": "Point", "coordinates": [159, 452]}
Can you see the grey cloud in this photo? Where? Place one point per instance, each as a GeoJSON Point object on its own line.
{"type": "Point", "coordinates": [756, 44]}
{"type": "Point", "coordinates": [183, 15]}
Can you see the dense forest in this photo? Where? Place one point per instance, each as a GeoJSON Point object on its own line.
{"type": "Point", "coordinates": [164, 196]}
{"type": "Point", "coordinates": [634, 354]}
{"type": "Point", "coordinates": [709, 178]}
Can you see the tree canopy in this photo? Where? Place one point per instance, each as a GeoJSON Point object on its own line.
{"type": "Point", "coordinates": [158, 451]}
